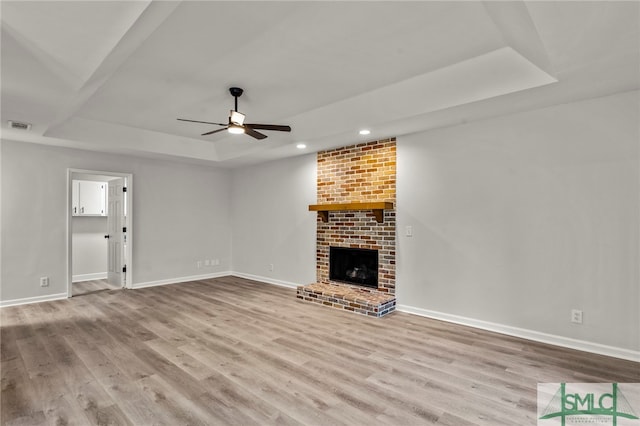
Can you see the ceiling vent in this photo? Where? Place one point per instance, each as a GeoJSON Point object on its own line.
{"type": "Point", "coordinates": [19, 125]}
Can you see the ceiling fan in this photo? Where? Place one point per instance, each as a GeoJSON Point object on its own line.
{"type": "Point", "coordinates": [236, 123]}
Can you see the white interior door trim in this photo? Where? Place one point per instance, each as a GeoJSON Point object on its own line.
{"type": "Point", "coordinates": [129, 213]}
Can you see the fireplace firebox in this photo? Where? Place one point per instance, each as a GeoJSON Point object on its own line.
{"type": "Point", "coordinates": [354, 266]}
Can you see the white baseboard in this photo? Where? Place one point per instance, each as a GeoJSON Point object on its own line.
{"type": "Point", "coordinates": [89, 277]}
{"type": "Point", "coordinates": [265, 280]}
{"type": "Point", "coordinates": [537, 336]}
{"type": "Point", "coordinates": [37, 299]}
{"type": "Point", "coordinates": [181, 279]}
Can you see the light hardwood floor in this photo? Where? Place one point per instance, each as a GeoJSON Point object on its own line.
{"type": "Point", "coordinates": [86, 287]}
{"type": "Point", "coordinates": [232, 351]}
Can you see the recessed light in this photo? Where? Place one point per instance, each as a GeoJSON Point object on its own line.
{"type": "Point", "coordinates": [365, 132]}
{"type": "Point", "coordinates": [301, 146]}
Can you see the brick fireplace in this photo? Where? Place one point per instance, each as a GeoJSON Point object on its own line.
{"type": "Point", "coordinates": [356, 209]}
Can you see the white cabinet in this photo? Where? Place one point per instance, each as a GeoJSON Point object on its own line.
{"type": "Point", "coordinates": [89, 198]}
{"type": "Point", "coordinates": [75, 189]}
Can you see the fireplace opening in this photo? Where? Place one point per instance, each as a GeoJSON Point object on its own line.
{"type": "Point", "coordinates": [354, 266]}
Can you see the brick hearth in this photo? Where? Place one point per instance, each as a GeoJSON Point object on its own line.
{"type": "Point", "coordinates": [355, 299]}
{"type": "Point", "coordinates": [362, 173]}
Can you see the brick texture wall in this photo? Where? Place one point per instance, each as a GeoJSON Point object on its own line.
{"type": "Point", "coordinates": [358, 173]}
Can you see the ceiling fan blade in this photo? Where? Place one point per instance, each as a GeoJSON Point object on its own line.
{"type": "Point", "coordinates": [249, 131]}
{"type": "Point", "coordinates": [203, 122]}
{"type": "Point", "coordinates": [213, 131]}
{"type": "Point", "coordinates": [275, 127]}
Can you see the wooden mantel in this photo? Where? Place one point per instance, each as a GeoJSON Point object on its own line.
{"type": "Point", "coordinates": [378, 209]}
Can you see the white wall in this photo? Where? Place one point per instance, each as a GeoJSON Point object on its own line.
{"type": "Point", "coordinates": [89, 247]}
{"type": "Point", "coordinates": [181, 214]}
{"type": "Point", "coordinates": [271, 222]}
{"type": "Point", "coordinates": [517, 220]}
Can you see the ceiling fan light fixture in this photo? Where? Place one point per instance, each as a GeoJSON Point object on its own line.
{"type": "Point", "coordinates": [236, 117]}
{"type": "Point", "coordinates": [236, 122]}
{"type": "Point", "coordinates": [235, 129]}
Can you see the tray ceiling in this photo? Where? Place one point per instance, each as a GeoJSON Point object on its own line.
{"type": "Point", "coordinates": [114, 76]}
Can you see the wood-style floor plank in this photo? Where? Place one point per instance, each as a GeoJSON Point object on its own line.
{"type": "Point", "coordinates": [93, 286]}
{"type": "Point", "coordinates": [231, 351]}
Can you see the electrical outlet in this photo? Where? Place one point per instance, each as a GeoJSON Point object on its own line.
{"type": "Point", "coordinates": [199, 264]}
{"type": "Point", "coordinates": [44, 281]}
{"type": "Point", "coordinates": [408, 231]}
{"type": "Point", "coordinates": [576, 316]}
{"type": "Point", "coordinates": [215, 262]}
{"type": "Point", "coordinates": [207, 262]}
{"type": "Point", "coordinates": [271, 267]}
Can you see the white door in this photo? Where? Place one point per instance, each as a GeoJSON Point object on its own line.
{"type": "Point", "coordinates": [116, 233]}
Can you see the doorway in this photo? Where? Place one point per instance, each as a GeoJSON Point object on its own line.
{"type": "Point", "coordinates": [99, 231]}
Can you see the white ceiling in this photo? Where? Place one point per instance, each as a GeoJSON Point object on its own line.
{"type": "Point", "coordinates": [114, 76]}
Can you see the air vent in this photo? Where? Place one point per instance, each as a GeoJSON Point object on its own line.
{"type": "Point", "coordinates": [19, 125]}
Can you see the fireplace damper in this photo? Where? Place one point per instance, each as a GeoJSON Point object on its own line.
{"type": "Point", "coordinates": [354, 266]}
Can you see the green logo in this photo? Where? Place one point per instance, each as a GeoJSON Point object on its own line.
{"type": "Point", "coordinates": [591, 403]}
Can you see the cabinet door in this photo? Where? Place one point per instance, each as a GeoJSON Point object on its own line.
{"type": "Point", "coordinates": [75, 198]}
{"type": "Point", "coordinates": [92, 198]}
